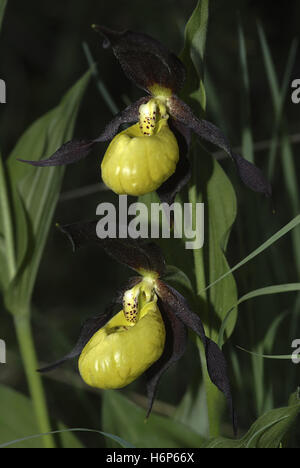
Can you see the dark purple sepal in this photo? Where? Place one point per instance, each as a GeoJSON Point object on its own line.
{"type": "Point", "coordinates": [138, 254]}
{"type": "Point", "coordinates": [144, 60]}
{"type": "Point", "coordinates": [91, 326]}
{"type": "Point", "coordinates": [251, 175]}
{"type": "Point", "coordinates": [175, 346]}
{"type": "Point", "coordinates": [215, 360]}
{"type": "Point", "coordinates": [75, 150]}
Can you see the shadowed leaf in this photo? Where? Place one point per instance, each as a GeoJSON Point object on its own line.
{"type": "Point", "coordinates": [216, 364]}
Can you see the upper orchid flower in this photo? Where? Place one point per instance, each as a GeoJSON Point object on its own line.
{"type": "Point", "coordinates": [145, 327]}
{"type": "Point", "coordinates": [150, 155]}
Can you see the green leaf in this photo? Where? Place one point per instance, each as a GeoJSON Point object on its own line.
{"type": "Point", "coordinates": [181, 282]}
{"type": "Point", "coordinates": [68, 438]}
{"type": "Point", "coordinates": [281, 357]}
{"type": "Point", "coordinates": [279, 234]}
{"type": "Point", "coordinates": [16, 422]}
{"type": "Point", "coordinates": [22, 423]}
{"type": "Point", "coordinates": [221, 205]}
{"type": "Point", "coordinates": [270, 290]}
{"type": "Point", "coordinates": [35, 191]}
{"type": "Point", "coordinates": [247, 138]}
{"type": "Point", "coordinates": [209, 185]}
{"type": "Point", "coordinates": [6, 238]}
{"type": "Point", "coordinates": [281, 134]}
{"type": "Point", "coordinates": [122, 417]}
{"type": "Point", "coordinates": [192, 409]}
{"type": "Point", "coordinates": [3, 4]}
{"type": "Point", "coordinates": [278, 95]}
{"type": "Point", "coordinates": [193, 54]}
{"type": "Point", "coordinates": [212, 186]}
{"type": "Point", "coordinates": [269, 431]}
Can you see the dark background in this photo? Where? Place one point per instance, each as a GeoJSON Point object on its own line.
{"type": "Point", "coordinates": [41, 57]}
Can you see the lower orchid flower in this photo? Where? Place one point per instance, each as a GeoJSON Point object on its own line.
{"type": "Point", "coordinates": [151, 155]}
{"type": "Point", "coordinates": [128, 344]}
{"type": "Point", "coordinates": [144, 330]}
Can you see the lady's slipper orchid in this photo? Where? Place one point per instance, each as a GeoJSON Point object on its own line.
{"type": "Point", "coordinates": [134, 164]}
{"type": "Point", "coordinates": [149, 155]}
{"type": "Point", "coordinates": [128, 344]}
{"type": "Point", "coordinates": [150, 332]}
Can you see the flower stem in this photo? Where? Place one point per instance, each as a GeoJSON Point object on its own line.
{"type": "Point", "coordinates": [7, 224]}
{"type": "Point", "coordinates": [213, 395]}
{"type": "Point", "coordinates": [25, 339]}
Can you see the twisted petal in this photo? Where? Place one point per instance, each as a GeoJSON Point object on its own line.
{"type": "Point", "coordinates": [250, 174]}
{"type": "Point", "coordinates": [91, 326]}
{"type": "Point", "coordinates": [215, 360]}
{"type": "Point", "coordinates": [176, 343]}
{"type": "Point", "coordinates": [137, 254]}
{"type": "Point", "coordinates": [144, 60]}
{"type": "Point", "coordinates": [69, 153]}
{"type": "Point", "coordinates": [75, 150]}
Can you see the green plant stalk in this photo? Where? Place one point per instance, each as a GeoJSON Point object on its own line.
{"type": "Point", "coordinates": [25, 340]}
{"type": "Point", "coordinates": [213, 395]}
{"type": "Point", "coordinates": [22, 321]}
{"type": "Point", "coordinates": [108, 99]}
{"type": "Point", "coordinates": [7, 224]}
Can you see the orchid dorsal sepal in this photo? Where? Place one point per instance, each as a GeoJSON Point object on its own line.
{"type": "Point", "coordinates": [145, 60]}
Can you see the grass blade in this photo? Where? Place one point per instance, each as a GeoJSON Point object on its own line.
{"type": "Point", "coordinates": [117, 439]}
{"type": "Point", "coordinates": [3, 4]}
{"type": "Point", "coordinates": [270, 290]}
{"type": "Point", "coordinates": [281, 233]}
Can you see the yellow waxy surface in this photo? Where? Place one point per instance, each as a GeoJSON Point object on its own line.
{"type": "Point", "coordinates": [120, 352]}
{"type": "Point", "coordinates": [160, 91]}
{"type": "Point", "coordinates": [136, 164]}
